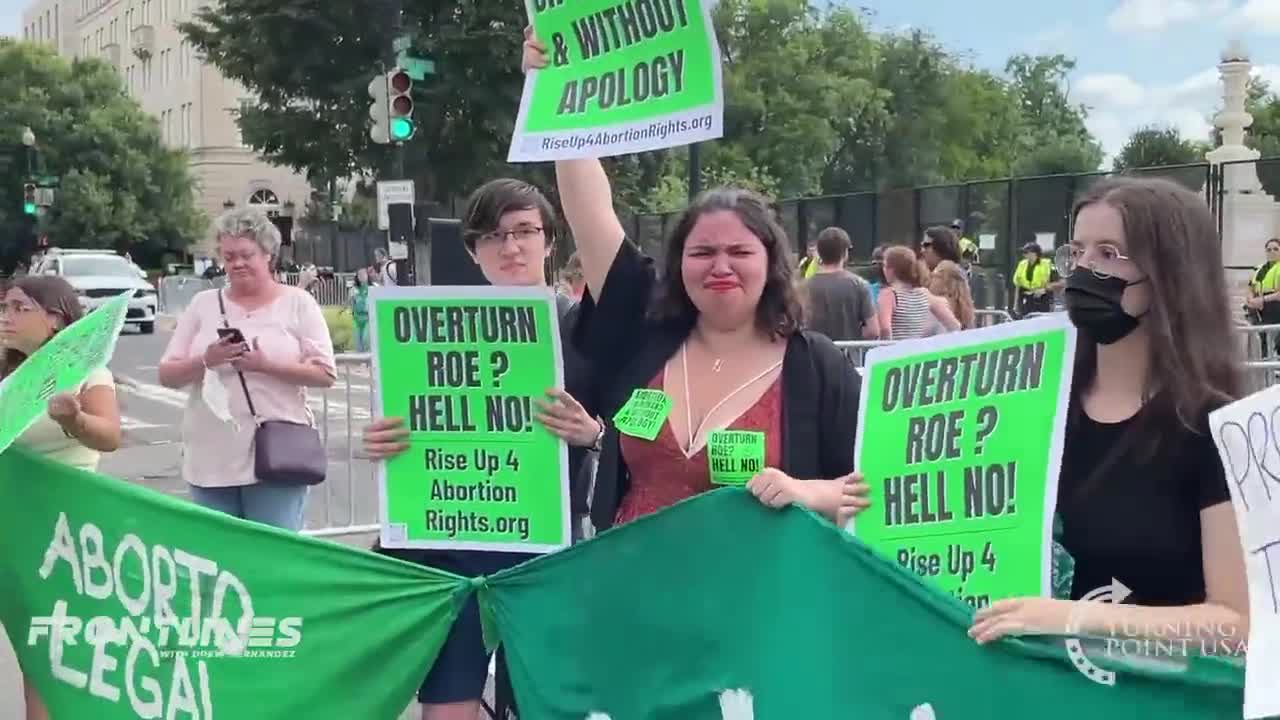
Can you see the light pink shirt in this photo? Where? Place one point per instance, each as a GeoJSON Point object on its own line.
{"type": "Point", "coordinates": [290, 329]}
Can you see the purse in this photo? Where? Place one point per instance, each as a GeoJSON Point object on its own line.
{"type": "Point", "coordinates": [285, 453]}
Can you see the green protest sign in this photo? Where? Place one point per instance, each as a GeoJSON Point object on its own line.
{"type": "Point", "coordinates": [735, 456]}
{"type": "Point", "coordinates": [643, 414]}
{"type": "Point", "coordinates": [61, 365]}
{"type": "Point", "coordinates": [464, 366]}
{"type": "Point", "coordinates": [125, 603]}
{"type": "Point", "coordinates": [624, 76]}
{"type": "Point", "coordinates": [960, 438]}
{"type": "Point", "coordinates": [719, 608]}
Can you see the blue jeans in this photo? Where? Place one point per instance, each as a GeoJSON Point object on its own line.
{"type": "Point", "coordinates": [360, 336]}
{"type": "Point", "coordinates": [267, 504]}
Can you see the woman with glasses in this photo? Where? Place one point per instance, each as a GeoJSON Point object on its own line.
{"type": "Point", "coordinates": [509, 231]}
{"type": "Point", "coordinates": [1142, 495]}
{"type": "Point", "coordinates": [80, 425]}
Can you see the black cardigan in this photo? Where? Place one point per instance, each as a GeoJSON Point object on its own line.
{"type": "Point", "coordinates": [820, 387]}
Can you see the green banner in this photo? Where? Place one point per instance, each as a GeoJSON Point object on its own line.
{"type": "Point", "coordinates": [960, 439]}
{"type": "Point", "coordinates": [623, 76]}
{"type": "Point", "coordinates": [61, 365]}
{"type": "Point", "coordinates": [465, 367]}
{"type": "Point", "coordinates": [124, 603]}
{"type": "Point", "coordinates": [721, 608]}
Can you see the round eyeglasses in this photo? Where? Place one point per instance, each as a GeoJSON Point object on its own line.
{"type": "Point", "coordinates": [1104, 260]}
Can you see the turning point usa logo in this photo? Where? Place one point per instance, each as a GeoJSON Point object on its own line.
{"type": "Point", "coordinates": [1142, 641]}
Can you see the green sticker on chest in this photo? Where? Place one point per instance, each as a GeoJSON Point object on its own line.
{"type": "Point", "coordinates": [735, 456]}
{"type": "Point", "coordinates": [643, 414]}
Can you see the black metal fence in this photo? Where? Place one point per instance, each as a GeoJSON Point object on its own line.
{"type": "Point", "coordinates": [1000, 216]}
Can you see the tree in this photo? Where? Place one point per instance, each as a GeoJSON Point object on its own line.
{"type": "Point", "coordinates": [120, 188]}
{"type": "Point", "coordinates": [310, 102]}
{"type": "Point", "coordinates": [1055, 139]}
{"type": "Point", "coordinates": [1155, 146]}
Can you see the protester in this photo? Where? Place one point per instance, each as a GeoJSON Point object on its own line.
{"type": "Point", "coordinates": [508, 230]}
{"type": "Point", "coordinates": [277, 346]}
{"type": "Point", "coordinates": [358, 304]}
{"type": "Point", "coordinates": [949, 283]}
{"type": "Point", "coordinates": [1142, 493]}
{"type": "Point", "coordinates": [80, 425]}
{"type": "Point", "coordinates": [837, 303]}
{"type": "Point", "coordinates": [907, 310]}
{"type": "Point", "coordinates": [722, 339]}
{"type": "Point", "coordinates": [939, 244]}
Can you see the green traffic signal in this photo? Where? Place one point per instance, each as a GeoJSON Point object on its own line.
{"type": "Point", "coordinates": [29, 208]}
{"type": "Point", "coordinates": [401, 129]}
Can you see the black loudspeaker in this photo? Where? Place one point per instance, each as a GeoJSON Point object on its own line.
{"type": "Point", "coordinates": [450, 263]}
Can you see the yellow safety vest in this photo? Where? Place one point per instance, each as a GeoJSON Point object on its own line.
{"type": "Point", "coordinates": [1270, 281]}
{"type": "Point", "coordinates": [1039, 277]}
{"type": "Point", "coordinates": [809, 267]}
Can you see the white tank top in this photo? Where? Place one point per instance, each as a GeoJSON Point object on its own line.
{"type": "Point", "coordinates": [911, 313]}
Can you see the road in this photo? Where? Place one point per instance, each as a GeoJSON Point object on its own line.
{"type": "Point", "coordinates": [151, 416]}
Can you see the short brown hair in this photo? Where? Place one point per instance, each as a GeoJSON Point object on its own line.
{"type": "Point", "coordinates": [496, 198]}
{"type": "Point", "coordinates": [833, 244]}
{"type": "Point", "coordinates": [778, 312]}
{"type": "Point", "coordinates": [904, 264]}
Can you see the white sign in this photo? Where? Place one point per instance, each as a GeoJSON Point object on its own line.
{"type": "Point", "coordinates": [1246, 435]}
{"type": "Point", "coordinates": [392, 192]}
{"type": "Point", "coordinates": [987, 241]}
{"type": "Point", "coordinates": [1047, 241]}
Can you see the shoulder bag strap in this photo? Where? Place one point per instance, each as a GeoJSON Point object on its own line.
{"type": "Point", "coordinates": [222, 308]}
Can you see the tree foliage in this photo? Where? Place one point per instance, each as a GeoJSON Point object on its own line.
{"type": "Point", "coordinates": [120, 188]}
{"type": "Point", "coordinates": [1155, 146]}
{"type": "Point", "coordinates": [815, 100]}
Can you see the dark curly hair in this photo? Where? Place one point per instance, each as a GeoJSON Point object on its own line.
{"type": "Point", "coordinates": [778, 312]}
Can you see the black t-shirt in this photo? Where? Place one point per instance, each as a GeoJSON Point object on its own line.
{"type": "Point", "coordinates": [1138, 522]}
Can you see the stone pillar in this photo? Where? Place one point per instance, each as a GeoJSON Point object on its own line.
{"type": "Point", "coordinates": [1249, 215]}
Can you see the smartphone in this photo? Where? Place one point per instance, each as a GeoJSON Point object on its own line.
{"type": "Point", "coordinates": [232, 334]}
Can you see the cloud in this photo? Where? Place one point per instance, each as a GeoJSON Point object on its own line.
{"type": "Point", "coordinates": [1140, 16]}
{"type": "Point", "coordinates": [1119, 105]}
{"type": "Point", "coordinates": [1258, 16]}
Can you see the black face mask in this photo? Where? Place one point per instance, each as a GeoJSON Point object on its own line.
{"type": "Point", "coordinates": [1093, 304]}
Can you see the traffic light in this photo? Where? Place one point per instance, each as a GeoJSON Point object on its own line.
{"type": "Point", "coordinates": [400, 104]}
{"type": "Point", "coordinates": [29, 199]}
{"type": "Point", "coordinates": [378, 111]}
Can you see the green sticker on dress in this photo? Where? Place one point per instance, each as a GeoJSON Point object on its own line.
{"type": "Point", "coordinates": [735, 456]}
{"type": "Point", "coordinates": [643, 414]}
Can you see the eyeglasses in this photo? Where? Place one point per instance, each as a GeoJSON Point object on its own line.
{"type": "Point", "coordinates": [522, 234]}
{"type": "Point", "coordinates": [1106, 261]}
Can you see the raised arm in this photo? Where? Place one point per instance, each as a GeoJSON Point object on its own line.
{"type": "Point", "coordinates": [585, 196]}
{"type": "Point", "coordinates": [587, 199]}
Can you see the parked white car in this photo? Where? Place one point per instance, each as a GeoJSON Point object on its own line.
{"type": "Point", "coordinates": [98, 276]}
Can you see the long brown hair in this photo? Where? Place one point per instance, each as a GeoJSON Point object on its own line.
{"type": "Point", "coordinates": [1194, 358]}
{"type": "Point", "coordinates": [53, 295]}
{"type": "Point", "coordinates": [904, 263]}
{"type": "Point", "coordinates": [779, 312]}
{"type": "Point", "coordinates": [948, 281]}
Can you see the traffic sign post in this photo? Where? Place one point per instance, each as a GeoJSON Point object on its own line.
{"type": "Point", "coordinates": [393, 192]}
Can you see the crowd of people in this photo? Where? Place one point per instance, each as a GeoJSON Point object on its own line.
{"type": "Point", "coordinates": [739, 335]}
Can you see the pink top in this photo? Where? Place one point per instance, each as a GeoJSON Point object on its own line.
{"type": "Point", "coordinates": [291, 328]}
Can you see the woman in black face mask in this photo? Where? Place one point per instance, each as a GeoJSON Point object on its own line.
{"type": "Point", "coordinates": [1142, 495]}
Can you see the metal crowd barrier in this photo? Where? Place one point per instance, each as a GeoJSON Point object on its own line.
{"type": "Point", "coordinates": [347, 502]}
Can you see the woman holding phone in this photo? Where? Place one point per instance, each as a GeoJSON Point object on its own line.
{"type": "Point", "coordinates": [272, 335]}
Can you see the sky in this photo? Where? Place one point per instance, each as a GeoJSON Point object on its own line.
{"type": "Point", "coordinates": [1139, 62]}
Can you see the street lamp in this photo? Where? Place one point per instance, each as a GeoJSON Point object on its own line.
{"type": "Point", "coordinates": [29, 141]}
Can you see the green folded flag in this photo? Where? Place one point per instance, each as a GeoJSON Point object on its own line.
{"type": "Point", "coordinates": [722, 608]}
{"type": "Point", "coordinates": [126, 603]}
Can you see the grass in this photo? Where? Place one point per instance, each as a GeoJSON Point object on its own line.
{"type": "Point", "coordinates": [340, 328]}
